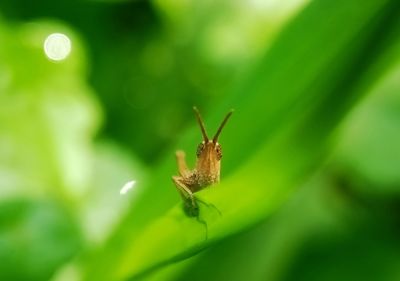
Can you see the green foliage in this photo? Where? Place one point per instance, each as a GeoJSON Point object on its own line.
{"type": "Point", "coordinates": [371, 161]}
{"type": "Point", "coordinates": [49, 165]}
{"type": "Point", "coordinates": [36, 238]}
{"type": "Point", "coordinates": [284, 210]}
{"type": "Point", "coordinates": [281, 149]}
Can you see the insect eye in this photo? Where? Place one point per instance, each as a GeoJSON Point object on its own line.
{"type": "Point", "coordinates": [200, 148]}
{"type": "Point", "coordinates": [219, 152]}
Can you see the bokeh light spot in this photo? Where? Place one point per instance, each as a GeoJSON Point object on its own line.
{"type": "Point", "coordinates": [127, 187]}
{"type": "Point", "coordinates": [57, 46]}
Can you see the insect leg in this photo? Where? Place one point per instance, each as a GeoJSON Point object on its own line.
{"type": "Point", "coordinates": [191, 207]}
{"type": "Point", "coordinates": [181, 161]}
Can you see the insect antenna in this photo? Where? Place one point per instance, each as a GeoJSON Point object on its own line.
{"type": "Point", "coordinates": [201, 123]}
{"type": "Point", "coordinates": [215, 138]}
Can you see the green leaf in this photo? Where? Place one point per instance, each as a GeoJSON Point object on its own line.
{"type": "Point", "coordinates": [368, 151]}
{"type": "Point", "coordinates": [286, 112]}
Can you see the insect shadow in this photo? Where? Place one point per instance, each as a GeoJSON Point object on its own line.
{"type": "Point", "coordinates": [194, 212]}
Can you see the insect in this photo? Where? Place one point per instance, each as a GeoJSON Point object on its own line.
{"type": "Point", "coordinates": [207, 170]}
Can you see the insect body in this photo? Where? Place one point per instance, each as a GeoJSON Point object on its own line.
{"type": "Point", "coordinates": [207, 170]}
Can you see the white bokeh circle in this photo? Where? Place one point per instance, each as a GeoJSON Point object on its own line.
{"type": "Point", "coordinates": [57, 46]}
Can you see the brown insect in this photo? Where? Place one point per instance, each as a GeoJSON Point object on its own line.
{"type": "Point", "coordinates": [207, 170]}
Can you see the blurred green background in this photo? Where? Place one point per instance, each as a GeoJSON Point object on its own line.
{"type": "Point", "coordinates": [310, 186]}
